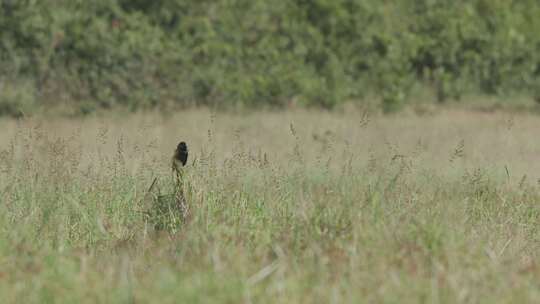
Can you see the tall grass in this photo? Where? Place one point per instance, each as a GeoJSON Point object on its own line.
{"type": "Point", "coordinates": [307, 219]}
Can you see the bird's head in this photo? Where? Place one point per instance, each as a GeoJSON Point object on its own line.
{"type": "Point", "coordinates": [181, 146]}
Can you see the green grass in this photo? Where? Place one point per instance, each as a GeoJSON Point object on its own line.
{"type": "Point", "coordinates": [305, 223]}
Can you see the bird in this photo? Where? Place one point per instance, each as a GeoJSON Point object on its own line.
{"type": "Point", "coordinates": [179, 159]}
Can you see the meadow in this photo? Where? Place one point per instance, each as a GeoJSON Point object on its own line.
{"type": "Point", "coordinates": [297, 206]}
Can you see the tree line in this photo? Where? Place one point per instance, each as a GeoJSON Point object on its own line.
{"type": "Point", "coordinates": [251, 53]}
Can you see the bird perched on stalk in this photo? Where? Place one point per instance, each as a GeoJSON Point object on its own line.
{"type": "Point", "coordinates": [179, 158]}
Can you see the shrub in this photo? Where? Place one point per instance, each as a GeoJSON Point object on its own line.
{"type": "Point", "coordinates": [144, 54]}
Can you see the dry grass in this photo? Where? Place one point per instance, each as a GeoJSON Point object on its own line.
{"type": "Point", "coordinates": [289, 207]}
{"type": "Point", "coordinates": [492, 140]}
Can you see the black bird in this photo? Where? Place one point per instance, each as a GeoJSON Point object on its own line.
{"type": "Point", "coordinates": [180, 156]}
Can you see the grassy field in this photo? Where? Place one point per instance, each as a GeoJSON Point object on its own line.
{"type": "Point", "coordinates": [285, 207]}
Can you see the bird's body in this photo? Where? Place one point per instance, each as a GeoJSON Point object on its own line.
{"type": "Point", "coordinates": [180, 156]}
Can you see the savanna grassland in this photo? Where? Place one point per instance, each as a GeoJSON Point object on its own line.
{"type": "Point", "coordinates": [285, 207]}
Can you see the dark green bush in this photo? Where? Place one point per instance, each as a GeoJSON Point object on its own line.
{"type": "Point", "coordinates": [144, 54]}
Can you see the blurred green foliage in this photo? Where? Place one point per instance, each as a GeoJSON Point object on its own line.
{"type": "Point", "coordinates": [229, 53]}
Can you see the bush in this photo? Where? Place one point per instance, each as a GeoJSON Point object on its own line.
{"type": "Point", "coordinates": [17, 100]}
{"type": "Point", "coordinates": [144, 54]}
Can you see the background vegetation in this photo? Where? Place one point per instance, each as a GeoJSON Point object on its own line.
{"type": "Point", "coordinates": [144, 54]}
